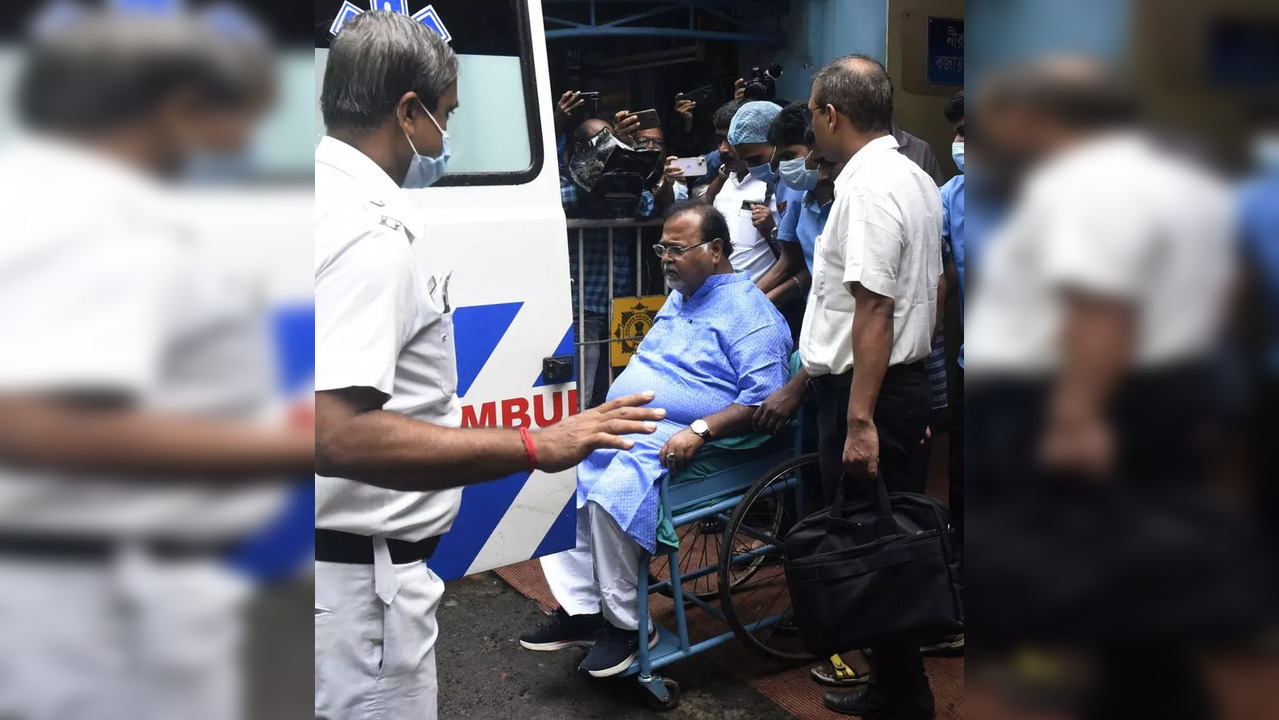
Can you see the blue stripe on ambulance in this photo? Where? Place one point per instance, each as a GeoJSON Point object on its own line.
{"type": "Point", "coordinates": [282, 547]}
{"type": "Point", "coordinates": [477, 331]}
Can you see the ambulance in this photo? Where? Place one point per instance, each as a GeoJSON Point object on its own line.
{"type": "Point", "coordinates": [497, 221]}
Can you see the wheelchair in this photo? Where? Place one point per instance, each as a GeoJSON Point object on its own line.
{"type": "Point", "coordinates": [730, 524]}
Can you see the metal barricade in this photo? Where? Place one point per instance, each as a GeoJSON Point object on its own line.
{"type": "Point", "coordinates": [586, 235]}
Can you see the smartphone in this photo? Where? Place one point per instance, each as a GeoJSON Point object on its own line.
{"type": "Point", "coordinates": [692, 166]}
{"type": "Point", "coordinates": [590, 102]}
{"type": "Point", "coordinates": [648, 119]}
{"type": "Point", "coordinates": [700, 95]}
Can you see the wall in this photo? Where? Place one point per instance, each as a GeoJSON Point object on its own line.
{"type": "Point", "coordinates": [817, 31]}
{"type": "Point", "coordinates": [1008, 32]}
{"type": "Point", "coordinates": [887, 30]}
{"type": "Point", "coordinates": [917, 106]}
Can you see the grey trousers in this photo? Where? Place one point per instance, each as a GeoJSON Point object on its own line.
{"type": "Point", "coordinates": [600, 574]}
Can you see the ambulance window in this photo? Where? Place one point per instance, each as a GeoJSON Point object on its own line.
{"type": "Point", "coordinates": [494, 136]}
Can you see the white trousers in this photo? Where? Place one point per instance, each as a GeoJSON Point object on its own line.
{"type": "Point", "coordinates": [132, 638]}
{"type": "Point", "coordinates": [375, 660]}
{"type": "Point", "coordinates": [601, 573]}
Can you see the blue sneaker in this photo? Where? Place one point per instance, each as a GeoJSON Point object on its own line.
{"type": "Point", "coordinates": [562, 630]}
{"type": "Point", "coordinates": [615, 649]}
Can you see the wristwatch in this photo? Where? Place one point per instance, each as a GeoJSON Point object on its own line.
{"type": "Point", "coordinates": [701, 429]}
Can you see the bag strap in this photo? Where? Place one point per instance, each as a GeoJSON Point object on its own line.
{"type": "Point", "coordinates": [883, 509]}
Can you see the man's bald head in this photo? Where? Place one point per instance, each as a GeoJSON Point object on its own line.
{"type": "Point", "coordinates": [582, 136]}
{"type": "Point", "coordinates": [590, 128]}
{"type": "Point", "coordinates": [859, 88]}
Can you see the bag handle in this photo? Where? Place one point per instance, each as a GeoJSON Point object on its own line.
{"type": "Point", "coordinates": [879, 491]}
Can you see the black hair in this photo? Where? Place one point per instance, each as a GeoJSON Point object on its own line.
{"type": "Point", "coordinates": [713, 224]}
{"type": "Point", "coordinates": [954, 110]}
{"type": "Point", "coordinates": [790, 125]}
{"type": "Point", "coordinates": [723, 116]}
{"type": "Point", "coordinates": [857, 86]}
{"type": "Point", "coordinates": [376, 58]}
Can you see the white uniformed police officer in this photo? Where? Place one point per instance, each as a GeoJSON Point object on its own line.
{"type": "Point", "coordinates": [137, 445]}
{"type": "Point", "coordinates": [390, 457]}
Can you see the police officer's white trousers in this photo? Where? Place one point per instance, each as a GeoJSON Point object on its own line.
{"type": "Point", "coordinates": [129, 638]}
{"type": "Point", "coordinates": [601, 573]}
{"type": "Point", "coordinates": [375, 659]}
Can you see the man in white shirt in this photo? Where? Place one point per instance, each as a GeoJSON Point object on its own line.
{"type": "Point", "coordinates": [390, 456]}
{"type": "Point", "coordinates": [735, 190]}
{"type": "Point", "coordinates": [137, 444]}
{"type": "Point", "coordinates": [1092, 368]}
{"type": "Point", "coordinates": [868, 327]}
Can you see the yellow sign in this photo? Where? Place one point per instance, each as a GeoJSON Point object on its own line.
{"type": "Point", "coordinates": [632, 318]}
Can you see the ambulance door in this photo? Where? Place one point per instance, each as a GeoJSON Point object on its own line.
{"type": "Point", "coordinates": [496, 220]}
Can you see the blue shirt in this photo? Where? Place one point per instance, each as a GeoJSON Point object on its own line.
{"type": "Point", "coordinates": [785, 196]}
{"type": "Point", "coordinates": [725, 344]}
{"type": "Point", "coordinates": [1259, 225]}
{"type": "Point", "coordinates": [802, 223]}
{"type": "Point", "coordinates": [952, 226]}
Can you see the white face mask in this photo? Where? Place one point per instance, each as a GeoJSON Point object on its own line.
{"type": "Point", "coordinates": [795, 174]}
{"type": "Point", "coordinates": [424, 171]}
{"type": "Point", "coordinates": [957, 152]}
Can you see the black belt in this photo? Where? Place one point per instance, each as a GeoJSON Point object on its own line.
{"type": "Point", "coordinates": [893, 372]}
{"type": "Point", "coordinates": [102, 549]}
{"type": "Point", "coordinates": [336, 546]}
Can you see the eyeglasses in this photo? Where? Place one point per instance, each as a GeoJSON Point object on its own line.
{"type": "Point", "coordinates": [677, 251]}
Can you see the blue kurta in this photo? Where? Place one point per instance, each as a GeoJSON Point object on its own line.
{"type": "Point", "coordinates": [725, 344]}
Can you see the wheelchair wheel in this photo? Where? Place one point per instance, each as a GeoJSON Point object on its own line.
{"type": "Point", "coordinates": [753, 586]}
{"type": "Point", "coordinates": [699, 547]}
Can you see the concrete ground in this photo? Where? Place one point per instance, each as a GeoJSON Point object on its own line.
{"type": "Point", "coordinates": [485, 674]}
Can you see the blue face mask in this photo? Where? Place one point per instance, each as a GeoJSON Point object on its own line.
{"type": "Point", "coordinates": [795, 175]}
{"type": "Point", "coordinates": [763, 173]}
{"type": "Point", "coordinates": [957, 152]}
{"type": "Point", "coordinates": [424, 171]}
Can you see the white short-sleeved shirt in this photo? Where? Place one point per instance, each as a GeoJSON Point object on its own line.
{"type": "Point", "coordinates": [884, 232]}
{"type": "Point", "coordinates": [1118, 217]}
{"type": "Point", "coordinates": [382, 321]}
{"type": "Point", "coordinates": [114, 294]}
{"type": "Point", "coordinates": [751, 252]}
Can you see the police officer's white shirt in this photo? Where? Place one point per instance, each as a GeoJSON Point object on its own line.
{"type": "Point", "coordinates": [751, 252]}
{"type": "Point", "coordinates": [380, 322]}
{"type": "Point", "coordinates": [884, 232]}
{"type": "Point", "coordinates": [1120, 218]}
{"type": "Point", "coordinates": [105, 288]}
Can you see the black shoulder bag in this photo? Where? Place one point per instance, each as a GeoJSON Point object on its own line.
{"type": "Point", "coordinates": [876, 569]}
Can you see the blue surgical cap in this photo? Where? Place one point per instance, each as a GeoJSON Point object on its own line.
{"type": "Point", "coordinates": [750, 124]}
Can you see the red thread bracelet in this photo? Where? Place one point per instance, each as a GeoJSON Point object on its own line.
{"type": "Point", "coordinates": [530, 450]}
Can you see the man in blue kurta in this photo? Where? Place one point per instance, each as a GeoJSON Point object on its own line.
{"type": "Point", "coordinates": [716, 350]}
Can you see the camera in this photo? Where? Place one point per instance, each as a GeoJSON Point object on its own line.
{"type": "Point", "coordinates": [613, 174]}
{"type": "Point", "coordinates": [762, 84]}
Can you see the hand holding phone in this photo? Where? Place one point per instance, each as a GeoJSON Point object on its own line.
{"type": "Point", "coordinates": [647, 120]}
{"type": "Point", "coordinates": [689, 167]}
